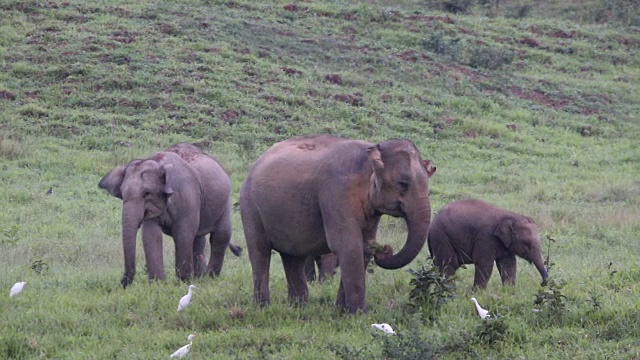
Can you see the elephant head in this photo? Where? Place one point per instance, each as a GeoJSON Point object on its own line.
{"type": "Point", "coordinates": [400, 188]}
{"type": "Point", "coordinates": [144, 186]}
{"type": "Point", "coordinates": [520, 236]}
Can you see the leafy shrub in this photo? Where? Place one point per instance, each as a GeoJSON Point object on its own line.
{"type": "Point", "coordinates": [430, 290]}
{"type": "Point", "coordinates": [490, 58]}
{"type": "Point", "coordinates": [39, 266]}
{"type": "Point", "coordinates": [491, 331]}
{"type": "Point", "coordinates": [441, 44]}
{"type": "Point", "coordinates": [10, 235]}
{"type": "Point", "coordinates": [408, 346]}
{"type": "Point", "coordinates": [551, 299]}
{"type": "Point", "coordinates": [11, 149]}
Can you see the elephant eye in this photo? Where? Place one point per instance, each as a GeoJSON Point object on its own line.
{"type": "Point", "coordinates": [404, 185]}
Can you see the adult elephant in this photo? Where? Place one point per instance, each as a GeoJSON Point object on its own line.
{"type": "Point", "coordinates": [474, 232]}
{"type": "Point", "coordinates": [316, 194]}
{"type": "Point", "coordinates": [183, 193]}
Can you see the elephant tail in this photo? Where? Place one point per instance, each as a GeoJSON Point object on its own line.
{"type": "Point", "coordinates": [235, 249]}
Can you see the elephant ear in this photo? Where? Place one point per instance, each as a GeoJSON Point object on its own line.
{"type": "Point", "coordinates": [113, 180]}
{"type": "Point", "coordinates": [504, 231]}
{"type": "Point", "coordinates": [376, 158]}
{"type": "Point", "coordinates": [429, 167]}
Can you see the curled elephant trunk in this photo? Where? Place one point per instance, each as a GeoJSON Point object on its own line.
{"type": "Point", "coordinates": [418, 227]}
{"type": "Point", "coordinates": [132, 215]}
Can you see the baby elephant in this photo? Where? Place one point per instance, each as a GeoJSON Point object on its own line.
{"type": "Point", "coordinates": [474, 232]}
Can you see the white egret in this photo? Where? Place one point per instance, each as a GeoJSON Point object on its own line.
{"type": "Point", "coordinates": [481, 312]}
{"type": "Point", "coordinates": [384, 327]}
{"type": "Point", "coordinates": [185, 301]}
{"type": "Point", "coordinates": [17, 288]}
{"type": "Point", "coordinates": [183, 351]}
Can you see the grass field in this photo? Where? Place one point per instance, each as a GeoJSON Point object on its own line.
{"type": "Point", "coordinates": [533, 106]}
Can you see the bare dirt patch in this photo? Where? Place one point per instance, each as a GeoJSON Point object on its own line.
{"type": "Point", "coordinates": [6, 95]}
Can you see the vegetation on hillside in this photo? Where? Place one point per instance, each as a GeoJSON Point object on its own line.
{"type": "Point", "coordinates": [529, 105]}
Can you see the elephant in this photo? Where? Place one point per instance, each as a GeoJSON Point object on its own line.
{"type": "Point", "coordinates": [181, 192]}
{"type": "Point", "coordinates": [326, 263]}
{"type": "Point", "coordinates": [314, 194]}
{"type": "Point", "coordinates": [474, 232]}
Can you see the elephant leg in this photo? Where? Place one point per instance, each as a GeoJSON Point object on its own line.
{"type": "Point", "coordinates": [152, 244]}
{"type": "Point", "coordinates": [310, 268]}
{"type": "Point", "coordinates": [507, 267]}
{"type": "Point", "coordinates": [445, 257]}
{"type": "Point", "coordinates": [296, 280]}
{"type": "Point", "coordinates": [219, 241]}
{"type": "Point", "coordinates": [482, 273]}
{"type": "Point", "coordinates": [352, 292]}
{"type": "Point", "coordinates": [327, 266]}
{"type": "Point", "coordinates": [184, 238]}
{"type": "Point", "coordinates": [199, 260]}
{"type": "Point", "coordinates": [259, 253]}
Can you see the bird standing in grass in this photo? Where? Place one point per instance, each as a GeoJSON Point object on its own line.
{"type": "Point", "coordinates": [185, 301]}
{"type": "Point", "coordinates": [17, 288]}
{"type": "Point", "coordinates": [183, 351]}
{"type": "Point", "coordinates": [384, 327]}
{"type": "Point", "coordinates": [481, 312]}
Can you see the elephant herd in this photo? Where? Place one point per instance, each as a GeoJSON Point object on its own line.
{"type": "Point", "coordinates": [310, 198]}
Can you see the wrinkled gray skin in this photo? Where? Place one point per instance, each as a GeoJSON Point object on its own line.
{"type": "Point", "coordinates": [183, 193]}
{"type": "Point", "coordinates": [311, 195]}
{"type": "Point", "coordinates": [326, 263]}
{"type": "Point", "coordinates": [474, 232]}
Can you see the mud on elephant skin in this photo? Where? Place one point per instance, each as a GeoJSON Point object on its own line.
{"type": "Point", "coordinates": [183, 193]}
{"type": "Point", "coordinates": [316, 194]}
{"type": "Point", "coordinates": [475, 232]}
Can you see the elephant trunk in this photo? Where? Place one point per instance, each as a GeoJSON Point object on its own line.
{"type": "Point", "coordinates": [539, 264]}
{"type": "Point", "coordinates": [132, 215]}
{"type": "Point", "coordinates": [418, 221]}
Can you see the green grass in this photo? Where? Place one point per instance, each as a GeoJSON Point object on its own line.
{"type": "Point", "coordinates": [532, 107]}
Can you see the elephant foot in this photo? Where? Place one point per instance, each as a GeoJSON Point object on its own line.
{"type": "Point", "coordinates": [126, 280]}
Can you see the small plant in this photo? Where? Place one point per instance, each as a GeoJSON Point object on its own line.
{"type": "Point", "coordinates": [10, 149]}
{"type": "Point", "coordinates": [551, 298]}
{"type": "Point", "coordinates": [10, 235]}
{"type": "Point", "coordinates": [39, 266]}
{"type": "Point", "coordinates": [348, 352]}
{"type": "Point", "coordinates": [430, 289]}
{"type": "Point", "coordinates": [407, 346]}
{"type": "Point", "coordinates": [547, 261]}
{"type": "Point", "coordinates": [490, 58]}
{"type": "Point", "coordinates": [442, 45]}
{"type": "Point", "coordinates": [622, 279]}
{"type": "Point", "coordinates": [491, 331]}
{"type": "Point", "coordinates": [594, 299]}
{"type": "Point", "coordinates": [247, 147]}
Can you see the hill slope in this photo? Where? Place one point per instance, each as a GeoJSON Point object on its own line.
{"type": "Point", "coordinates": [530, 106]}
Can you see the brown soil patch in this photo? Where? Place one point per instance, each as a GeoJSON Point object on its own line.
{"type": "Point", "coordinates": [530, 42]}
{"type": "Point", "coordinates": [334, 79]}
{"type": "Point", "coordinates": [229, 115]}
{"type": "Point", "coordinates": [291, 7]}
{"type": "Point", "coordinates": [539, 97]}
{"type": "Point", "coordinates": [6, 95]}
{"type": "Point", "coordinates": [351, 99]}
{"type": "Point", "coordinates": [291, 72]}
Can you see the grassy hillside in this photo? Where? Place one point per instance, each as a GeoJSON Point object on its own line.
{"type": "Point", "coordinates": [533, 106]}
